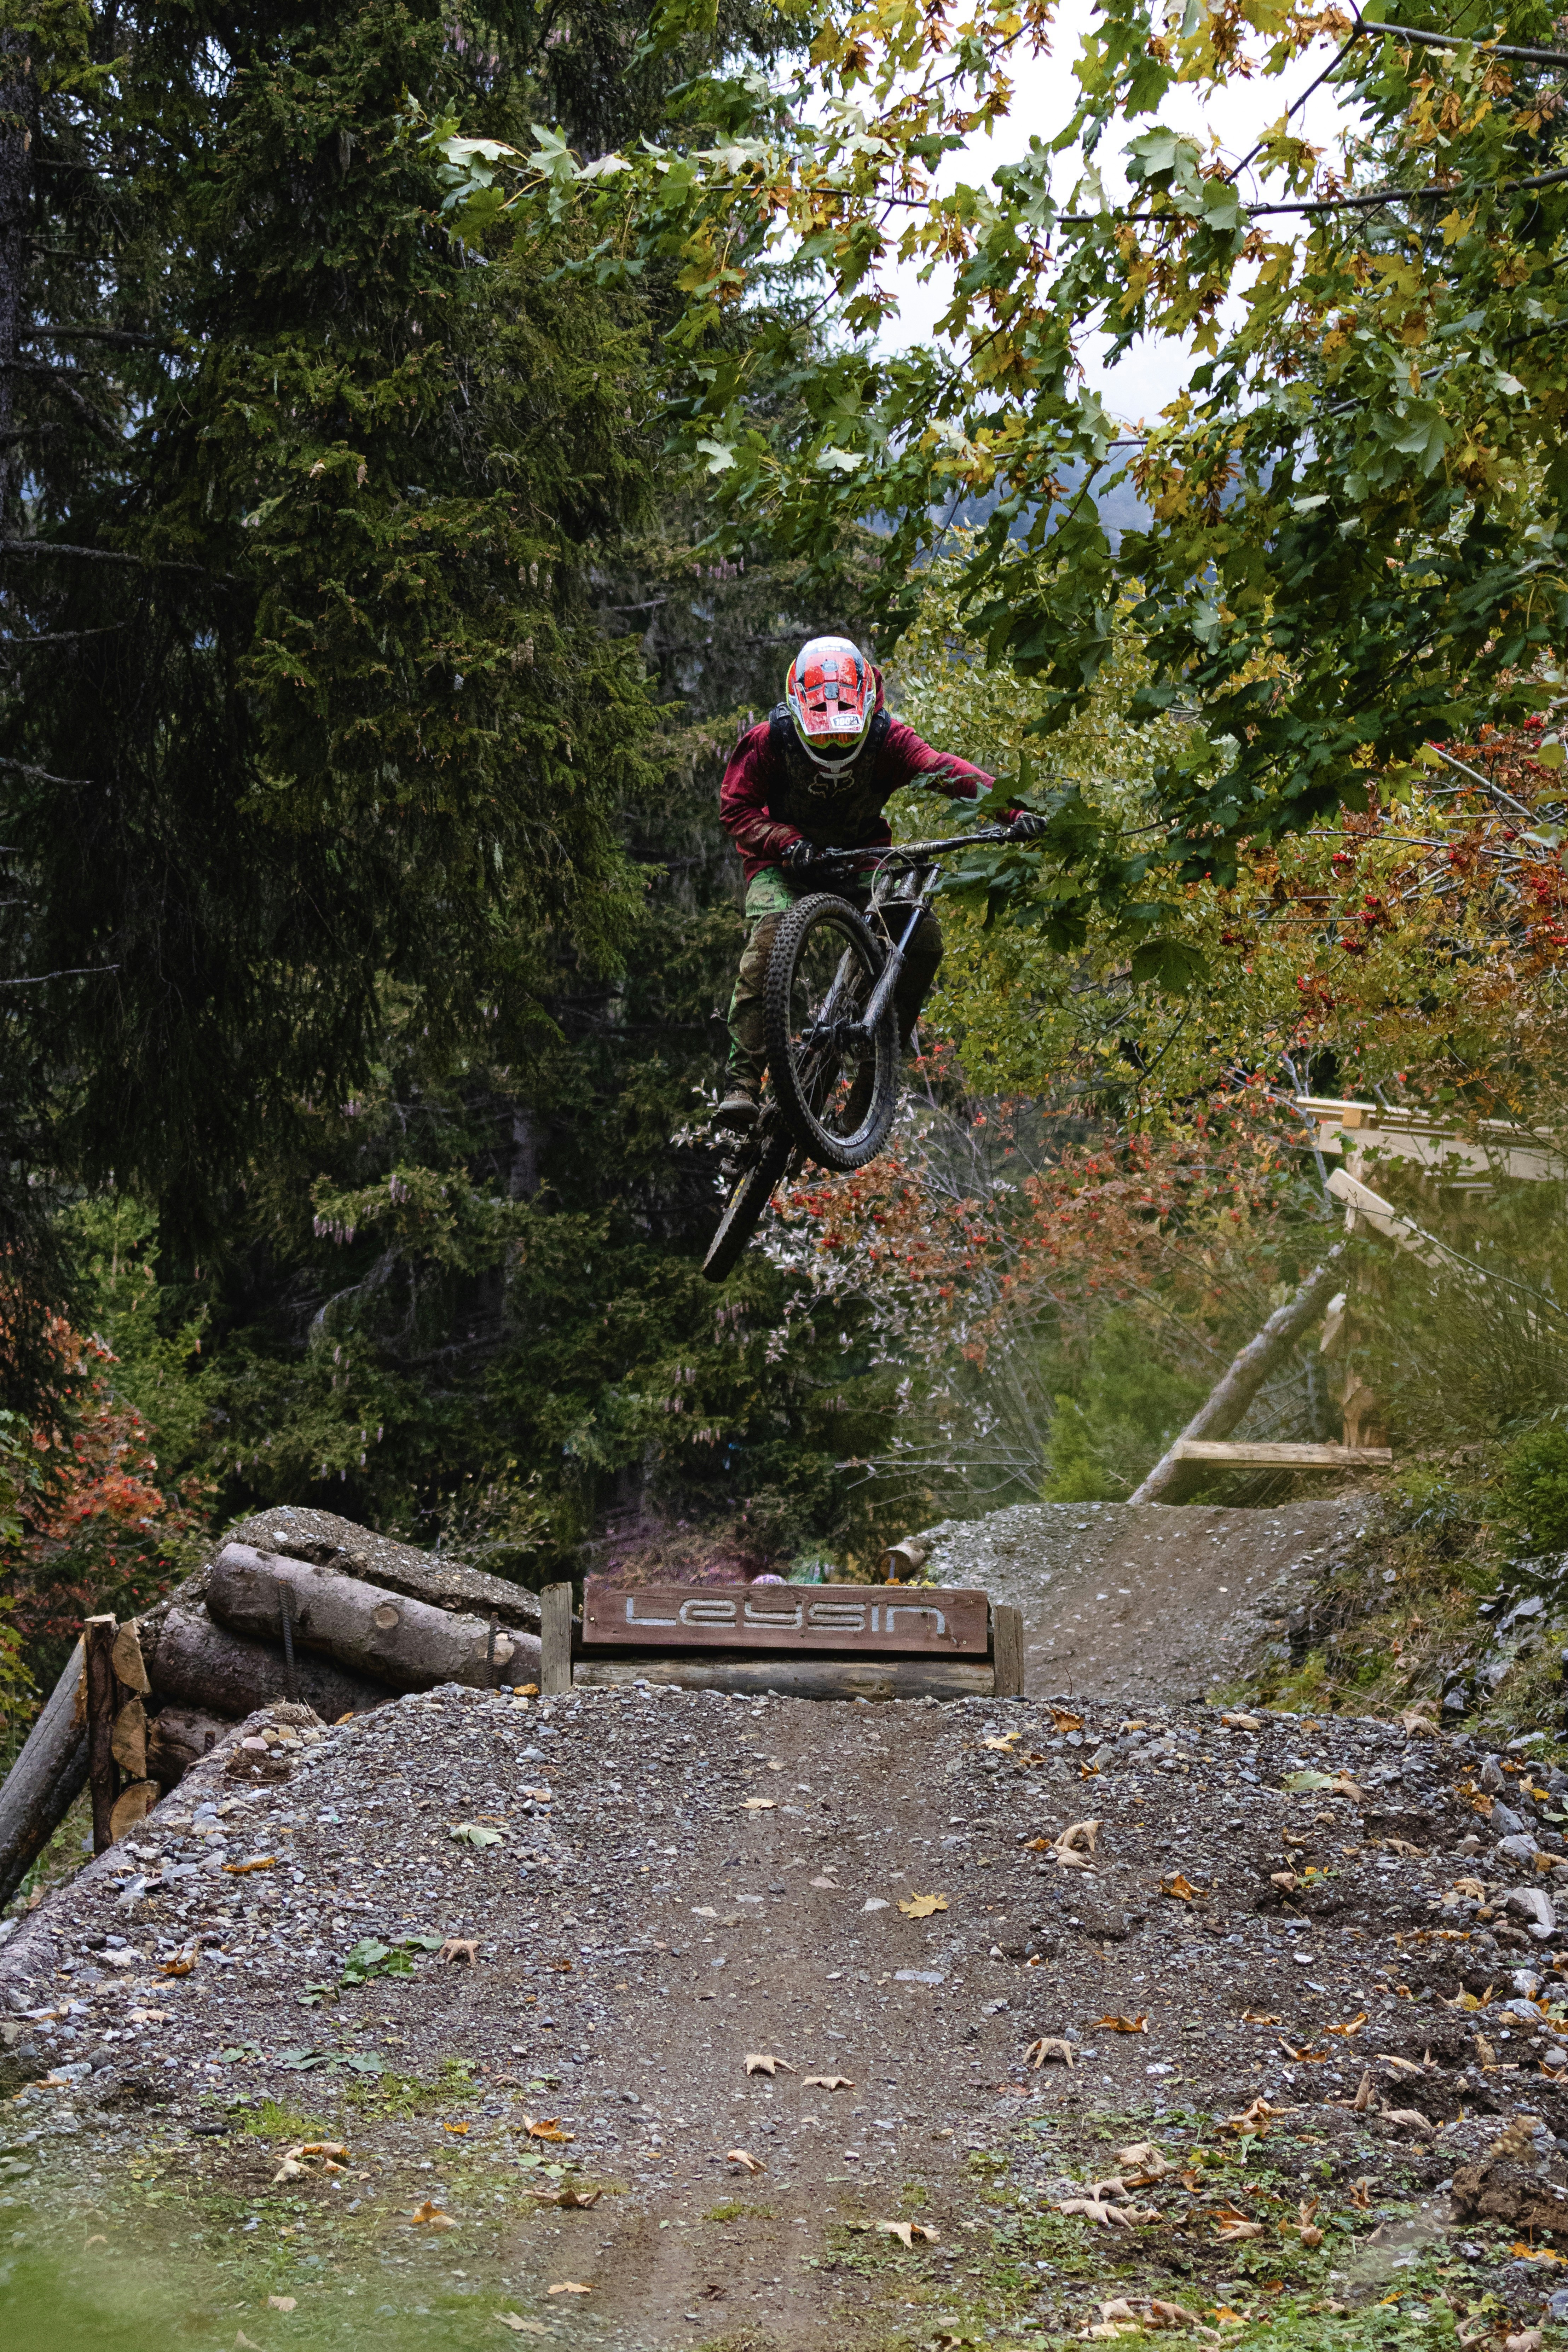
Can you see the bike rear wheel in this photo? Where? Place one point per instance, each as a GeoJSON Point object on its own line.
{"type": "Point", "coordinates": [744, 1207]}
{"type": "Point", "coordinates": [836, 1096]}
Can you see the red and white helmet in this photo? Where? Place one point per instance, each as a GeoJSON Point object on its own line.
{"type": "Point", "coordinates": [831, 691]}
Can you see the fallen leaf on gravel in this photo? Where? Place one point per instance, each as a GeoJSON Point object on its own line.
{"type": "Point", "coordinates": [759, 2063]}
{"type": "Point", "coordinates": [1180, 1886]}
{"type": "Point", "coordinates": [1122, 2217]}
{"type": "Point", "coordinates": [475, 1833]}
{"type": "Point", "coordinates": [1049, 2046]}
{"type": "Point", "coordinates": [1363, 2099]}
{"type": "Point", "coordinates": [1352, 2025]}
{"type": "Point", "coordinates": [1078, 1837]}
{"type": "Point", "coordinates": [1232, 2233]}
{"type": "Point", "coordinates": [747, 2163]}
{"type": "Point", "coordinates": [1360, 2193]}
{"type": "Point", "coordinates": [1145, 2160]}
{"type": "Point", "coordinates": [1070, 1858]}
{"type": "Point", "coordinates": [1308, 1780]}
{"type": "Point", "coordinates": [907, 2232]}
{"type": "Point", "coordinates": [1255, 2118]}
{"type": "Point", "coordinates": [460, 2130]}
{"type": "Point", "coordinates": [333, 2150]}
{"type": "Point", "coordinates": [460, 1947]}
{"type": "Point", "coordinates": [826, 2083]}
{"type": "Point", "coordinates": [1410, 2119]}
{"type": "Point", "coordinates": [1174, 2315]}
{"type": "Point", "coordinates": [1474, 1887]}
{"type": "Point", "coordinates": [289, 2169]}
{"type": "Point", "coordinates": [1402, 1845]}
{"type": "Point", "coordinates": [1262, 2017]}
{"type": "Point", "coordinates": [568, 2286]}
{"type": "Point", "coordinates": [1285, 1878]}
{"type": "Point", "coordinates": [1304, 2057]}
{"type": "Point", "coordinates": [1004, 1747]}
{"type": "Point", "coordinates": [1065, 1721]}
{"type": "Point", "coordinates": [1306, 2226]}
{"type": "Point", "coordinates": [281, 2301]}
{"type": "Point", "coordinates": [244, 1869]}
{"type": "Point", "coordinates": [920, 1907]}
{"type": "Point", "coordinates": [547, 2127]}
{"type": "Point", "coordinates": [1400, 2065]}
{"type": "Point", "coordinates": [181, 1964]}
{"type": "Point", "coordinates": [1484, 2052]}
{"type": "Point", "coordinates": [570, 2201]}
{"type": "Point", "coordinates": [1243, 1722]}
{"type": "Point", "coordinates": [430, 2216]}
{"type": "Point", "coordinates": [754, 1805]}
{"type": "Point", "coordinates": [1123, 2024]}
{"type": "Point", "coordinates": [520, 2326]}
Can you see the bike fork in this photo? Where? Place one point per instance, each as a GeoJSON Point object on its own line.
{"type": "Point", "coordinates": [881, 994]}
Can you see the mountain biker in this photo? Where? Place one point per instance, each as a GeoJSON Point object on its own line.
{"type": "Point", "coordinates": [815, 775]}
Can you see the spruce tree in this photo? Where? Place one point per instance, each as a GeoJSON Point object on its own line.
{"type": "Point", "coordinates": [302, 695]}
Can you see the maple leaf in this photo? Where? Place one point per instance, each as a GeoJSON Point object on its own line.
{"type": "Point", "coordinates": [920, 1907]}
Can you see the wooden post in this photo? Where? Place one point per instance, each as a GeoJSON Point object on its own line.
{"type": "Point", "coordinates": [555, 1640]}
{"type": "Point", "coordinates": [1008, 1650]}
{"type": "Point", "coordinates": [1225, 1404]}
{"type": "Point", "coordinates": [102, 1694]}
{"type": "Point", "coordinates": [46, 1780]}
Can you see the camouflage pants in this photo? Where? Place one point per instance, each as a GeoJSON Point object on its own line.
{"type": "Point", "coordinates": [770, 895]}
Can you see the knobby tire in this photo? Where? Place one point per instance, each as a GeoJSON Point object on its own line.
{"type": "Point", "coordinates": [809, 1082]}
{"type": "Point", "coordinates": [744, 1207]}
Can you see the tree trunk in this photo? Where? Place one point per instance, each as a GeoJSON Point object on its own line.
{"type": "Point", "coordinates": [403, 1644]}
{"type": "Point", "coordinates": [203, 1665]}
{"type": "Point", "coordinates": [46, 1780]}
{"type": "Point", "coordinates": [1225, 1404]}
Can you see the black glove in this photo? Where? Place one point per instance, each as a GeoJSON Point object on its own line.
{"type": "Point", "coordinates": [799, 857]}
{"type": "Point", "coordinates": [1025, 825]}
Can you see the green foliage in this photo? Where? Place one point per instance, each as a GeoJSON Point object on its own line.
{"type": "Point", "coordinates": [1355, 537]}
{"type": "Point", "coordinates": [336, 712]}
{"type": "Point", "coordinates": [1127, 1408]}
{"type": "Point", "coordinates": [1532, 1488]}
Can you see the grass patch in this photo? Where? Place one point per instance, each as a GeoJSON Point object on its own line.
{"type": "Point", "coordinates": [734, 2212]}
{"type": "Point", "coordinates": [275, 2120]}
{"type": "Point", "coordinates": [409, 2094]}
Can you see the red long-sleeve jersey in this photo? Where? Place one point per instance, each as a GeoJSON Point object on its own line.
{"type": "Point", "coordinates": [772, 794]}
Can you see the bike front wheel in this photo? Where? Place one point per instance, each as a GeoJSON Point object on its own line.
{"type": "Point", "coordinates": [744, 1207]}
{"type": "Point", "coordinates": [836, 1093]}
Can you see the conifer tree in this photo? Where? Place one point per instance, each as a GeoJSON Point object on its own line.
{"type": "Point", "coordinates": [301, 695]}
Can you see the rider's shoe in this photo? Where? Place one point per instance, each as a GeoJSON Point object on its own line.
{"type": "Point", "coordinates": [737, 1113]}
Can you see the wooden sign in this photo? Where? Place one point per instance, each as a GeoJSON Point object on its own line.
{"type": "Point", "coordinates": [870, 1620]}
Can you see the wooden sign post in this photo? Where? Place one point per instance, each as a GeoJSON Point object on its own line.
{"type": "Point", "coordinates": [814, 1641]}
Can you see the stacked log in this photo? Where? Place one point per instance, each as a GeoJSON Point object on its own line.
{"type": "Point", "coordinates": [298, 1605]}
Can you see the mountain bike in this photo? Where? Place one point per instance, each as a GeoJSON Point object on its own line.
{"type": "Point", "coordinates": [832, 1029]}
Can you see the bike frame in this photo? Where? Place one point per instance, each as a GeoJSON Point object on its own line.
{"type": "Point", "coordinates": [915, 859]}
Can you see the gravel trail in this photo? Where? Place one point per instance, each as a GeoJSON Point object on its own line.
{"type": "Point", "coordinates": [640, 1892]}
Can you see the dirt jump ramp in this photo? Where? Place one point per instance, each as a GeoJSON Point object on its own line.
{"type": "Point", "coordinates": [1120, 1599]}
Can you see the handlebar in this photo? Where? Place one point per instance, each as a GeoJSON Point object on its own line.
{"type": "Point", "coordinates": [915, 851]}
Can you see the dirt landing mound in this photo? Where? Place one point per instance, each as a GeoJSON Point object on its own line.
{"type": "Point", "coordinates": [1122, 1598]}
{"type": "Point", "coordinates": [841, 1940]}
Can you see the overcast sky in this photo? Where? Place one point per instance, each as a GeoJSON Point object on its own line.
{"type": "Point", "coordinates": [1153, 371]}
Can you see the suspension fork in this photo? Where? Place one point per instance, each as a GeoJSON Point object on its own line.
{"type": "Point", "coordinates": [881, 995]}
